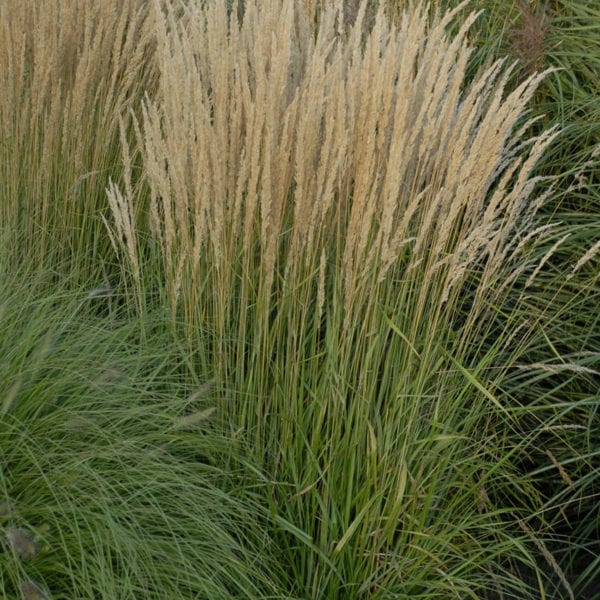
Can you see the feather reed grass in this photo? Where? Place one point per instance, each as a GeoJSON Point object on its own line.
{"type": "Point", "coordinates": [280, 158]}
{"type": "Point", "coordinates": [343, 217]}
{"type": "Point", "coordinates": [341, 205]}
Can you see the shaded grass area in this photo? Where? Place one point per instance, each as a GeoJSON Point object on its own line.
{"type": "Point", "coordinates": [563, 35]}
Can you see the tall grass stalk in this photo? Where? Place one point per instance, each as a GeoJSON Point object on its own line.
{"type": "Point", "coordinates": [344, 222]}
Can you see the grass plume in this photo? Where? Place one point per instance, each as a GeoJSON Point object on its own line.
{"type": "Point", "coordinates": [374, 243]}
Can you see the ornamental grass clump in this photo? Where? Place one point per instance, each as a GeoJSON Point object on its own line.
{"type": "Point", "coordinates": [338, 214]}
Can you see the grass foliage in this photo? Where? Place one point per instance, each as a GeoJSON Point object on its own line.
{"type": "Point", "coordinates": [110, 487]}
{"type": "Point", "coordinates": [371, 235]}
